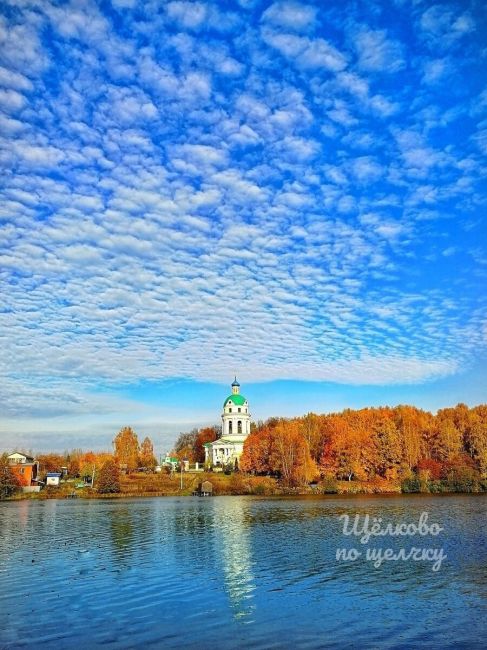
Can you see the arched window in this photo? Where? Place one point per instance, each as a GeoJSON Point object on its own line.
{"type": "Point", "coordinates": [230, 426]}
{"type": "Point", "coordinates": [239, 426]}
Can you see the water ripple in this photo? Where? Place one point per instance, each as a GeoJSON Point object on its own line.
{"type": "Point", "coordinates": [234, 572]}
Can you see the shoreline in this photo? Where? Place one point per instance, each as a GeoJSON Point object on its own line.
{"type": "Point", "coordinates": [115, 497]}
{"type": "Point", "coordinates": [284, 494]}
{"type": "Point", "coordinates": [142, 485]}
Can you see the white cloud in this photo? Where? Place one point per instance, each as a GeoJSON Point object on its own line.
{"type": "Point", "coordinates": [442, 27]}
{"type": "Point", "coordinates": [11, 100]}
{"type": "Point", "coordinates": [169, 187]}
{"type": "Point", "coordinates": [305, 52]}
{"type": "Point", "coordinates": [376, 52]}
{"type": "Point", "coordinates": [290, 15]}
{"type": "Point", "coordinates": [188, 14]}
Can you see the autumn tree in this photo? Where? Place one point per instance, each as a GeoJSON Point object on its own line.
{"type": "Point", "coordinates": [346, 448]}
{"type": "Point", "coordinates": [8, 481]}
{"type": "Point", "coordinates": [74, 467]}
{"type": "Point", "coordinates": [415, 430]}
{"type": "Point", "coordinates": [256, 453]}
{"type": "Point", "coordinates": [108, 479]}
{"type": "Point", "coordinates": [189, 445]}
{"type": "Point", "coordinates": [51, 462]}
{"type": "Point", "coordinates": [388, 448]}
{"type": "Point", "coordinates": [127, 448]}
{"type": "Point", "coordinates": [447, 439]}
{"type": "Point", "coordinates": [290, 455]}
{"type": "Point", "coordinates": [146, 454]}
{"type": "Point", "coordinates": [207, 434]}
{"type": "Point", "coordinates": [432, 468]}
{"type": "Point", "coordinates": [312, 432]}
{"type": "Point", "coordinates": [87, 464]}
{"type": "Point", "coordinates": [185, 447]}
{"type": "Point", "coordinates": [475, 438]}
{"type": "Point", "coordinates": [73, 461]}
{"type": "Point", "coordinates": [279, 448]}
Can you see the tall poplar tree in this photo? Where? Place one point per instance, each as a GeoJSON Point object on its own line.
{"type": "Point", "coordinates": [127, 448]}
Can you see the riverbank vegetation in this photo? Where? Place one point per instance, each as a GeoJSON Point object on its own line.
{"type": "Point", "coordinates": [405, 447]}
{"type": "Point", "coordinates": [371, 450]}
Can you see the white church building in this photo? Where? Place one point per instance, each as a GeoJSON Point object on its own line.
{"type": "Point", "coordinates": [227, 449]}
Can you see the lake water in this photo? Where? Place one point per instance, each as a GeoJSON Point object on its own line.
{"type": "Point", "coordinates": [238, 572]}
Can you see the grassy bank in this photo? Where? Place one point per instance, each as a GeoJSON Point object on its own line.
{"type": "Point", "coordinates": [147, 485]}
{"type": "Point", "coordinates": [152, 485]}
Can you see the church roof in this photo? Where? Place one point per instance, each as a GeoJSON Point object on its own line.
{"type": "Point", "coordinates": [235, 382]}
{"type": "Point", "coordinates": [238, 400]}
{"type": "Point", "coordinates": [226, 441]}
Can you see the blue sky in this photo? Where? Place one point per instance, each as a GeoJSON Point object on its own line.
{"type": "Point", "coordinates": [288, 191]}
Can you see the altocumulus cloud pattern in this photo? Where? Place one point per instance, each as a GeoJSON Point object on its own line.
{"type": "Point", "coordinates": [293, 185]}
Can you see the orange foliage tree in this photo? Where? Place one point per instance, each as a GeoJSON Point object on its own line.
{"type": "Point", "coordinates": [280, 449]}
{"type": "Point", "coordinates": [146, 454]}
{"type": "Point", "coordinates": [207, 434]}
{"type": "Point", "coordinates": [51, 462]}
{"type": "Point", "coordinates": [126, 446]}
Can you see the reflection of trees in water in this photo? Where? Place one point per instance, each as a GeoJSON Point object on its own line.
{"type": "Point", "coordinates": [122, 532]}
{"type": "Point", "coordinates": [188, 528]}
{"type": "Point", "coordinates": [132, 530]}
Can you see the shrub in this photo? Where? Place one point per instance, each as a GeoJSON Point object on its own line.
{"type": "Point", "coordinates": [108, 481]}
{"type": "Point", "coordinates": [464, 479]}
{"type": "Point", "coordinates": [329, 485]}
{"type": "Point", "coordinates": [410, 485]}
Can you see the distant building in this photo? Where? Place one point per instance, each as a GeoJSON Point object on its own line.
{"type": "Point", "coordinates": [171, 461]}
{"type": "Point", "coordinates": [227, 449]}
{"type": "Point", "coordinates": [24, 467]}
{"type": "Point", "coordinates": [53, 478]}
{"type": "Point", "coordinates": [205, 489]}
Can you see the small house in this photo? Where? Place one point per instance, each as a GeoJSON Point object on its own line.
{"type": "Point", "coordinates": [24, 467]}
{"type": "Point", "coordinates": [205, 489]}
{"type": "Point", "coordinates": [53, 478]}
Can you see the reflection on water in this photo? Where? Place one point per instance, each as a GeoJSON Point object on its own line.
{"type": "Point", "coordinates": [234, 545]}
{"type": "Point", "coordinates": [231, 572]}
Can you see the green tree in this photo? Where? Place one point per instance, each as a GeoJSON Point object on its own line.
{"type": "Point", "coordinates": [127, 448]}
{"type": "Point", "coordinates": [8, 481]}
{"type": "Point", "coordinates": [108, 479]}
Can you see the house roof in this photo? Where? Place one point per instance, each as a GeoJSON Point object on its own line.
{"type": "Point", "coordinates": [19, 453]}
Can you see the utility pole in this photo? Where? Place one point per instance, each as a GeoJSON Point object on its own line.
{"type": "Point", "coordinates": [181, 463]}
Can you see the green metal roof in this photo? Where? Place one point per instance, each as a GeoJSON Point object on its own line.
{"type": "Point", "coordinates": [239, 400]}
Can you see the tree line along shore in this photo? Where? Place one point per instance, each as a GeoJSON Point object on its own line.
{"type": "Point", "coordinates": [372, 450]}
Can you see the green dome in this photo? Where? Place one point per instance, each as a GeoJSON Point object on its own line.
{"type": "Point", "coordinates": [238, 400]}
